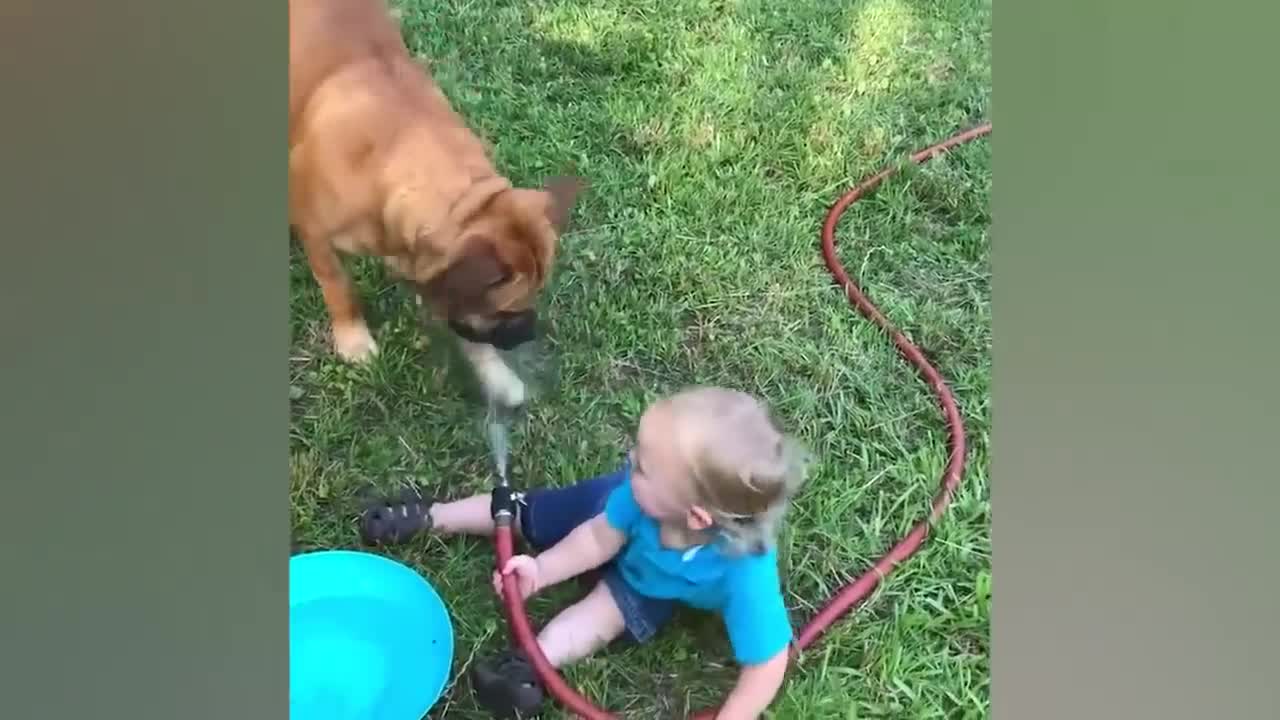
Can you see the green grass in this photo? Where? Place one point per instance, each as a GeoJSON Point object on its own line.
{"type": "Point", "coordinates": [715, 134]}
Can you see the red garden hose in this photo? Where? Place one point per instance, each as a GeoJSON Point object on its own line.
{"type": "Point", "coordinates": [854, 592]}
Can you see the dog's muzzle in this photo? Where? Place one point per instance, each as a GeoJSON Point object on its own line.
{"type": "Point", "coordinates": [511, 331]}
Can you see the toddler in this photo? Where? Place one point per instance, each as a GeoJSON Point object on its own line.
{"type": "Point", "coordinates": [690, 517]}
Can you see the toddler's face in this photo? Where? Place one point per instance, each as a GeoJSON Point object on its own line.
{"type": "Point", "coordinates": [659, 477]}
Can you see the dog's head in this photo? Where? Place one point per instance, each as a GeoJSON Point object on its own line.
{"type": "Point", "coordinates": [505, 250]}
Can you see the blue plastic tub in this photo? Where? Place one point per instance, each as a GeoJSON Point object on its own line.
{"type": "Point", "coordinates": [369, 639]}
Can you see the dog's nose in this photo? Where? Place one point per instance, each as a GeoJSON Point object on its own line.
{"type": "Point", "coordinates": [527, 320]}
{"type": "Point", "coordinates": [515, 330]}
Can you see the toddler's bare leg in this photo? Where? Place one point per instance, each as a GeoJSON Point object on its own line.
{"type": "Point", "coordinates": [469, 516]}
{"type": "Point", "coordinates": [582, 628]}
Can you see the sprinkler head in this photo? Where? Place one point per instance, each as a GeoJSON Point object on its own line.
{"type": "Point", "coordinates": [502, 504]}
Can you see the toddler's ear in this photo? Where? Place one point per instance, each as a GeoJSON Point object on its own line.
{"type": "Point", "coordinates": [699, 519]}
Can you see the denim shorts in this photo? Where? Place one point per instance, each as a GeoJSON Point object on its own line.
{"type": "Point", "coordinates": [549, 514]}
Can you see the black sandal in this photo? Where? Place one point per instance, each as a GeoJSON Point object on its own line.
{"type": "Point", "coordinates": [507, 686]}
{"type": "Point", "coordinates": [394, 520]}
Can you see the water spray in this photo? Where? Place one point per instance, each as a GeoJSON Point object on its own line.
{"type": "Point", "coordinates": [497, 430]}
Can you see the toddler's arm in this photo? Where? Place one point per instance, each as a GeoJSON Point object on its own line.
{"type": "Point", "coordinates": [589, 546]}
{"type": "Point", "coordinates": [756, 688]}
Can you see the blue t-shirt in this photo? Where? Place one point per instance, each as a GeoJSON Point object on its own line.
{"type": "Point", "coordinates": [744, 589]}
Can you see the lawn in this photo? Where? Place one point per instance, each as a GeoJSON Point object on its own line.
{"type": "Point", "coordinates": [715, 133]}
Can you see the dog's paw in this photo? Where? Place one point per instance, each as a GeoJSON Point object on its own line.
{"type": "Point", "coordinates": [500, 383]}
{"type": "Point", "coordinates": [354, 344]}
{"type": "Point", "coordinates": [503, 385]}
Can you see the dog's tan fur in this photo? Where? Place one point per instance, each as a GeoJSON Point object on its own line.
{"type": "Point", "coordinates": [380, 164]}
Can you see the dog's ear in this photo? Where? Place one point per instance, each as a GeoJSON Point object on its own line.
{"type": "Point", "coordinates": [471, 276]}
{"type": "Point", "coordinates": [562, 192]}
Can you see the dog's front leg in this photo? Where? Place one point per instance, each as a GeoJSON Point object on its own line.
{"type": "Point", "coordinates": [351, 337]}
{"type": "Point", "coordinates": [499, 381]}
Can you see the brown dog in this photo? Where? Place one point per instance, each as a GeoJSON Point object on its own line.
{"type": "Point", "coordinates": [380, 164]}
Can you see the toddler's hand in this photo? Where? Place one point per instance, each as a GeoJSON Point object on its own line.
{"type": "Point", "coordinates": [526, 570]}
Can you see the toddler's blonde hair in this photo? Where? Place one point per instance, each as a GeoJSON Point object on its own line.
{"type": "Point", "coordinates": [743, 468]}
